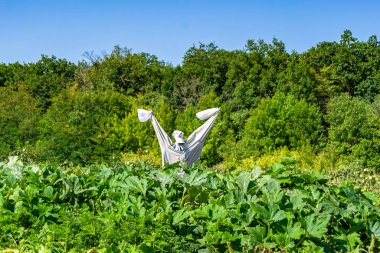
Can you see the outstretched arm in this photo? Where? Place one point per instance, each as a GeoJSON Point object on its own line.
{"type": "Point", "coordinates": [201, 132]}
{"type": "Point", "coordinates": [163, 139]}
{"type": "Point", "coordinates": [197, 139]}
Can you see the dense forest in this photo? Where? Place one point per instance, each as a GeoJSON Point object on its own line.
{"type": "Point", "coordinates": [321, 106]}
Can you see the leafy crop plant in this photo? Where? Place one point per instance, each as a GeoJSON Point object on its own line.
{"type": "Point", "coordinates": [139, 208]}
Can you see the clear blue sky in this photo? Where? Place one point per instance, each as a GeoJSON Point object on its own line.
{"type": "Point", "coordinates": [67, 29]}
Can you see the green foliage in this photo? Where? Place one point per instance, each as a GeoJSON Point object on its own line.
{"type": "Point", "coordinates": [299, 80]}
{"type": "Point", "coordinates": [78, 127]}
{"type": "Point", "coordinates": [270, 100]}
{"type": "Point", "coordinates": [253, 74]}
{"type": "Point", "coordinates": [354, 129]}
{"type": "Point", "coordinates": [210, 100]}
{"type": "Point", "coordinates": [220, 144]}
{"type": "Point", "coordinates": [186, 121]}
{"type": "Point", "coordinates": [124, 71]}
{"type": "Point", "coordinates": [209, 65]}
{"type": "Point", "coordinates": [10, 74]}
{"type": "Point", "coordinates": [19, 115]}
{"type": "Point", "coordinates": [281, 121]}
{"type": "Point", "coordinates": [138, 208]}
{"type": "Point", "coordinates": [43, 79]}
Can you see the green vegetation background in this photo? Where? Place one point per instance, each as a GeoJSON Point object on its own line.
{"type": "Point", "coordinates": [321, 106]}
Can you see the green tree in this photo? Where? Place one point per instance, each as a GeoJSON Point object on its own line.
{"type": "Point", "coordinates": [281, 121]}
{"type": "Point", "coordinates": [299, 79]}
{"type": "Point", "coordinates": [369, 88]}
{"type": "Point", "coordinates": [78, 126]}
{"type": "Point", "coordinates": [19, 114]}
{"type": "Point", "coordinates": [208, 64]}
{"type": "Point", "coordinates": [254, 73]}
{"type": "Point", "coordinates": [374, 122]}
{"type": "Point", "coordinates": [11, 73]}
{"type": "Point", "coordinates": [123, 71]}
{"type": "Point", "coordinates": [43, 80]}
{"type": "Point", "coordinates": [354, 128]}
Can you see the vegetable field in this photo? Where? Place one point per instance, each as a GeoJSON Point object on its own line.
{"type": "Point", "coordinates": [139, 208]}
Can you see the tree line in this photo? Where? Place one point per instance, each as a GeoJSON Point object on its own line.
{"type": "Point", "coordinates": [322, 105]}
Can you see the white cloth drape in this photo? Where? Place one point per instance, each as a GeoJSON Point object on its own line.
{"type": "Point", "coordinates": [191, 150]}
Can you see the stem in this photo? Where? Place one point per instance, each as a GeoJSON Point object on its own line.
{"type": "Point", "coordinates": [183, 196]}
{"type": "Point", "coordinates": [372, 245]}
{"type": "Point", "coordinates": [300, 241]}
{"type": "Point", "coordinates": [230, 250]}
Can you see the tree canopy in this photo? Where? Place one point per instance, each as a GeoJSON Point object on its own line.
{"type": "Point", "coordinates": [326, 99]}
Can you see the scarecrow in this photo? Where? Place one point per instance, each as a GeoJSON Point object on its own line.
{"type": "Point", "coordinates": [186, 152]}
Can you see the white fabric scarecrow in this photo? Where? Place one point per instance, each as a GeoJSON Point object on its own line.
{"type": "Point", "coordinates": [185, 152]}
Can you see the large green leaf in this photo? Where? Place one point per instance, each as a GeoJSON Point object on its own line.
{"type": "Point", "coordinates": [294, 231]}
{"type": "Point", "coordinates": [243, 181]}
{"type": "Point", "coordinates": [195, 178]}
{"type": "Point", "coordinates": [180, 215]}
{"type": "Point", "coordinates": [316, 226]}
{"type": "Point", "coordinates": [48, 191]}
{"type": "Point", "coordinates": [257, 233]}
{"type": "Point", "coordinates": [272, 192]}
{"type": "Point", "coordinates": [134, 184]}
{"type": "Point", "coordinates": [375, 229]}
{"type": "Point", "coordinates": [296, 198]}
{"type": "Point", "coordinates": [218, 212]}
{"type": "Point", "coordinates": [261, 211]}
